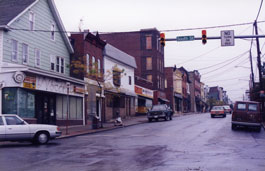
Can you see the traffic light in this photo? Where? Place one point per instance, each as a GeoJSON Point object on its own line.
{"type": "Point", "coordinates": [162, 39]}
{"type": "Point", "coordinates": [204, 37]}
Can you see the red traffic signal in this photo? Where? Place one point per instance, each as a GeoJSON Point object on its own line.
{"type": "Point", "coordinates": [204, 37]}
{"type": "Point", "coordinates": [162, 39]}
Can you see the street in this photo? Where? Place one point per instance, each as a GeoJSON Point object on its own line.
{"type": "Point", "coordinates": [190, 142]}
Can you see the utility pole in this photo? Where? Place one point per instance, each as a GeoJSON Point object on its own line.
{"type": "Point", "coordinates": [258, 57]}
{"type": "Point", "coordinates": [259, 67]}
{"type": "Point", "coordinates": [251, 65]}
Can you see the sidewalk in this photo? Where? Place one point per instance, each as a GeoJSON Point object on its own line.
{"type": "Point", "coordinates": [82, 130]}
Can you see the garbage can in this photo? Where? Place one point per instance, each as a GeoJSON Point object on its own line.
{"type": "Point", "coordinates": [95, 122]}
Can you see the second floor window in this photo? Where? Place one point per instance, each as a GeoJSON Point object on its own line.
{"type": "Point", "coordinates": [93, 63]}
{"type": "Point", "coordinates": [52, 60]}
{"type": "Point", "coordinates": [87, 63]}
{"type": "Point", "coordinates": [149, 78]}
{"type": "Point", "coordinates": [31, 20]}
{"type": "Point", "coordinates": [59, 64]}
{"type": "Point", "coordinates": [37, 57]}
{"type": "Point", "coordinates": [25, 53]}
{"type": "Point", "coordinates": [130, 80]}
{"type": "Point", "coordinates": [14, 50]}
{"type": "Point", "coordinates": [117, 78]}
{"type": "Point", "coordinates": [148, 63]}
{"type": "Point", "coordinates": [99, 67]}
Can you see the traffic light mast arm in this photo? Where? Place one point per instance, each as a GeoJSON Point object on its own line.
{"type": "Point", "coordinates": [219, 37]}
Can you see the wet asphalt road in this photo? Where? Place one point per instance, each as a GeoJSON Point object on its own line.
{"type": "Point", "coordinates": [192, 142]}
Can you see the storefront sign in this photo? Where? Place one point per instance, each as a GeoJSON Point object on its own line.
{"type": "Point", "coordinates": [79, 90]}
{"type": "Point", "coordinates": [52, 85]}
{"type": "Point", "coordinates": [143, 92]}
{"type": "Point", "coordinates": [29, 82]}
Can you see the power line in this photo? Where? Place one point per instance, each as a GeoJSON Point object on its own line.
{"type": "Point", "coordinates": [259, 10]}
{"type": "Point", "coordinates": [190, 60]}
{"type": "Point", "coordinates": [210, 27]}
{"type": "Point", "coordinates": [225, 79]}
{"type": "Point", "coordinates": [237, 57]}
{"type": "Point", "coordinates": [185, 29]}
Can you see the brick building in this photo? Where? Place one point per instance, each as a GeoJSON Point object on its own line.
{"type": "Point", "coordinates": [144, 45]}
{"type": "Point", "coordinates": [185, 90]}
{"type": "Point", "coordinates": [195, 91]}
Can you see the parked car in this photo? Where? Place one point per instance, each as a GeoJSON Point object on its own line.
{"type": "Point", "coordinates": [246, 113]}
{"type": "Point", "coordinates": [160, 111]}
{"type": "Point", "coordinates": [13, 128]}
{"type": "Point", "coordinates": [218, 111]}
{"type": "Point", "coordinates": [227, 109]}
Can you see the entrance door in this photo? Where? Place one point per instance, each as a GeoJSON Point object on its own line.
{"type": "Point", "coordinates": [45, 108]}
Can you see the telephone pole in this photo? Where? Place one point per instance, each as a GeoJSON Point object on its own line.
{"type": "Point", "coordinates": [258, 57]}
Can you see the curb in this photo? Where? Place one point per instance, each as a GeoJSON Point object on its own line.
{"type": "Point", "coordinates": [100, 130]}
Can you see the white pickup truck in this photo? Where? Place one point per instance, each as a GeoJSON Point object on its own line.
{"type": "Point", "coordinates": [13, 128]}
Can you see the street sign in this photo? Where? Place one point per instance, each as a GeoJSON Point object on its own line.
{"type": "Point", "coordinates": [185, 38]}
{"type": "Point", "coordinates": [227, 38]}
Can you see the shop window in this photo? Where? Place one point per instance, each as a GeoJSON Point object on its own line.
{"type": "Point", "coordinates": [75, 107]}
{"type": "Point", "coordinates": [9, 97]}
{"type": "Point", "coordinates": [19, 101]}
{"type": "Point", "coordinates": [109, 101]}
{"type": "Point", "coordinates": [148, 63]}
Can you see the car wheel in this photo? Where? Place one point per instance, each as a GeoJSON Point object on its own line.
{"type": "Point", "coordinates": [149, 120]}
{"type": "Point", "coordinates": [42, 138]}
{"type": "Point", "coordinates": [224, 115]}
{"type": "Point", "coordinates": [171, 117]}
{"type": "Point", "coordinates": [156, 119]}
{"type": "Point", "coordinates": [233, 127]}
{"type": "Point", "coordinates": [212, 116]}
{"type": "Point", "coordinates": [167, 118]}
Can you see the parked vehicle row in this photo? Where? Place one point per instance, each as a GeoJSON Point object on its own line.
{"type": "Point", "coordinates": [13, 128]}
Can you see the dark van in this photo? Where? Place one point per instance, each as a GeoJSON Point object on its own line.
{"type": "Point", "coordinates": [246, 113]}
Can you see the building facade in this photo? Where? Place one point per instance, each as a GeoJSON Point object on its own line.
{"type": "Point", "coordinates": [145, 47]}
{"type": "Point", "coordinates": [195, 91]}
{"type": "Point", "coordinates": [185, 90]}
{"type": "Point", "coordinates": [119, 83]}
{"type": "Point", "coordinates": [35, 65]}
{"type": "Point", "coordinates": [87, 64]}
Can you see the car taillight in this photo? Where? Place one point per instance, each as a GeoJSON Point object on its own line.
{"type": "Point", "coordinates": [58, 128]}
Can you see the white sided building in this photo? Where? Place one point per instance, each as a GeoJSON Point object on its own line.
{"type": "Point", "coordinates": [119, 83]}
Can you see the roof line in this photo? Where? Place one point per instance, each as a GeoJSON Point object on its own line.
{"type": "Point", "coordinates": [19, 15]}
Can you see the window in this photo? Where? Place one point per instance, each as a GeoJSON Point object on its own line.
{"type": "Point", "coordinates": [13, 120]}
{"type": "Point", "coordinates": [31, 20]}
{"type": "Point", "coordinates": [53, 31]}
{"type": "Point", "coordinates": [99, 67]}
{"type": "Point", "coordinates": [37, 57]}
{"type": "Point", "coordinates": [253, 107]}
{"type": "Point", "coordinates": [117, 78]}
{"type": "Point", "coordinates": [148, 42]}
{"type": "Point", "coordinates": [52, 60]}
{"type": "Point", "coordinates": [59, 64]}
{"type": "Point", "coordinates": [165, 83]}
{"type": "Point", "coordinates": [14, 50]}
{"type": "Point", "coordinates": [93, 62]}
{"type": "Point", "coordinates": [75, 106]}
{"type": "Point", "coordinates": [25, 53]}
{"type": "Point", "coordinates": [241, 106]}
{"type": "Point", "coordinates": [62, 65]}
{"type": "Point", "coordinates": [130, 80]}
{"type": "Point", "coordinates": [148, 63]}
{"type": "Point", "coordinates": [149, 78]}
{"type": "Point", "coordinates": [87, 62]}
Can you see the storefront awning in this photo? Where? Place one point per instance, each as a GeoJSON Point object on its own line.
{"type": "Point", "coordinates": [165, 100]}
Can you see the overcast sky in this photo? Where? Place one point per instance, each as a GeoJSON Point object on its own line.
{"type": "Point", "coordinates": [227, 67]}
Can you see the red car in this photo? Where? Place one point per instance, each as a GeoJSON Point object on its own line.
{"type": "Point", "coordinates": [218, 111]}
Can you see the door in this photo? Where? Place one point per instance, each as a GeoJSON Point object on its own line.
{"type": "Point", "coordinates": [16, 129]}
{"type": "Point", "coordinates": [46, 108]}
